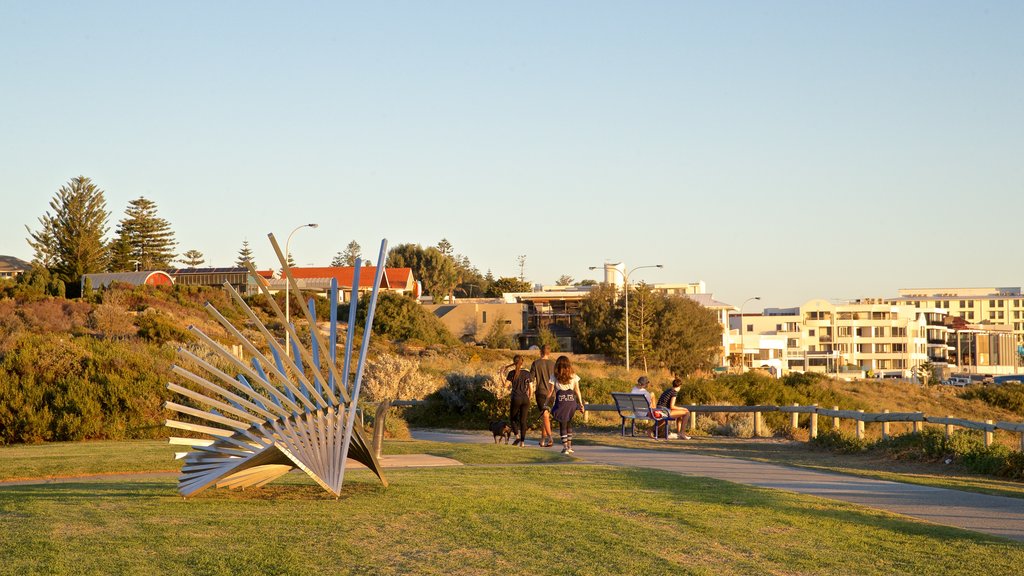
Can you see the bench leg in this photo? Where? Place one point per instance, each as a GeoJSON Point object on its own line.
{"type": "Point", "coordinates": [622, 428]}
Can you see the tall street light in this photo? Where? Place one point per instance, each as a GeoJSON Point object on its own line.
{"type": "Point", "coordinates": [287, 285]}
{"type": "Point", "coordinates": [743, 346]}
{"type": "Point", "coordinates": [625, 279]}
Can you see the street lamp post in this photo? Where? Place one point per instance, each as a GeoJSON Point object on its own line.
{"type": "Point", "coordinates": [625, 279]}
{"type": "Point", "coordinates": [287, 285]}
{"type": "Point", "coordinates": [743, 345]}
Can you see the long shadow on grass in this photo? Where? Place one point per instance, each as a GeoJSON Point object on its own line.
{"type": "Point", "coordinates": [71, 491]}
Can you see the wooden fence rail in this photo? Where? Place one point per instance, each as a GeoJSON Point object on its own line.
{"type": "Point", "coordinates": [988, 427]}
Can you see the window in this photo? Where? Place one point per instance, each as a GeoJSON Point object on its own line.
{"type": "Point", "coordinates": [792, 343]}
{"type": "Point", "coordinates": [963, 304]}
{"type": "Point", "coordinates": [879, 332]}
{"type": "Point", "coordinates": [992, 303]}
{"type": "Point", "coordinates": [750, 327]}
{"type": "Point", "coordinates": [898, 332]}
{"type": "Point", "coordinates": [844, 331]}
{"type": "Point", "coordinates": [882, 348]}
{"type": "Point", "coordinates": [991, 314]}
{"type": "Point", "coordinates": [778, 327]}
{"type": "Point", "coordinates": [810, 332]}
{"type": "Point", "coordinates": [1016, 314]}
{"type": "Point", "coordinates": [899, 347]}
{"type": "Point", "coordinates": [1000, 313]}
{"type": "Point", "coordinates": [999, 303]}
{"type": "Point", "coordinates": [970, 315]}
{"type": "Point", "coordinates": [864, 348]}
{"type": "Point", "coordinates": [900, 364]}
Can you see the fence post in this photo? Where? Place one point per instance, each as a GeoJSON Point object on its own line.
{"type": "Point", "coordinates": [586, 415]}
{"type": "Point", "coordinates": [1022, 441]}
{"type": "Point", "coordinates": [814, 426]}
{"type": "Point", "coordinates": [795, 420]}
{"type": "Point", "coordinates": [693, 421]}
{"type": "Point", "coordinates": [860, 427]}
{"type": "Point", "coordinates": [757, 424]}
{"type": "Point", "coordinates": [918, 426]}
{"type": "Point", "coordinates": [949, 427]}
{"type": "Point", "coordinates": [885, 428]}
{"type": "Point", "coordinates": [835, 420]}
{"type": "Point", "coordinates": [988, 435]}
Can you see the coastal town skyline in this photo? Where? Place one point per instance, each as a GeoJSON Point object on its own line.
{"type": "Point", "coordinates": [793, 152]}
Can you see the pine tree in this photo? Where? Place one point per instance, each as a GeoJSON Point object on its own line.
{"type": "Point", "coordinates": [144, 240]}
{"type": "Point", "coordinates": [338, 260]}
{"type": "Point", "coordinates": [352, 251]}
{"type": "Point", "coordinates": [71, 241]}
{"type": "Point", "coordinates": [245, 255]}
{"type": "Point", "coordinates": [193, 258]}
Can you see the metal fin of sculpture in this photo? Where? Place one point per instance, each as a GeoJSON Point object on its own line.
{"type": "Point", "coordinates": [278, 413]}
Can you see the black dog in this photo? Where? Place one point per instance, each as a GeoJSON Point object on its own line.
{"type": "Point", "coordinates": [501, 429]}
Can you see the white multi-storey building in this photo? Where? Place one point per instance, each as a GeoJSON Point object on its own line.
{"type": "Point", "coordinates": [983, 306]}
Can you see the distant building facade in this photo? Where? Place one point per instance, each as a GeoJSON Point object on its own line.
{"type": "Point", "coordinates": [11, 267]}
{"type": "Point", "coordinates": [141, 278]}
{"type": "Point", "coordinates": [874, 337]}
{"type": "Point", "coordinates": [982, 306]}
{"type": "Point", "coordinates": [471, 320]}
{"type": "Point", "coordinates": [318, 279]}
{"type": "Point", "coordinates": [239, 278]}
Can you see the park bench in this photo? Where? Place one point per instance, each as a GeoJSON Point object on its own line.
{"type": "Point", "coordinates": [635, 407]}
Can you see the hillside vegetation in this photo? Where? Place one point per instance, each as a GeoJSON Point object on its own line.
{"type": "Point", "coordinates": [96, 368]}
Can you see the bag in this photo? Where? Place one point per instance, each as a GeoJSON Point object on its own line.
{"type": "Point", "coordinates": [660, 413]}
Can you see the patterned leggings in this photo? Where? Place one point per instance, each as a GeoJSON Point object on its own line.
{"type": "Point", "coordinates": [565, 430]}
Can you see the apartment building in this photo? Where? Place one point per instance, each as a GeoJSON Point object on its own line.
{"type": "Point", "coordinates": [874, 337]}
{"type": "Point", "coordinates": [983, 306]}
{"type": "Point", "coordinates": [869, 336]}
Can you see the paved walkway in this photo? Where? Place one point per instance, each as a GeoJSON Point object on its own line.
{"type": "Point", "coordinates": [996, 515]}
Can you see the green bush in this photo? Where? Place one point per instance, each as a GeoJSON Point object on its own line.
{"type": "Point", "coordinates": [400, 318]}
{"type": "Point", "coordinates": [76, 388]}
{"type": "Point", "coordinates": [466, 401]}
{"type": "Point", "coordinates": [156, 327]}
{"type": "Point", "coordinates": [1006, 396]}
{"type": "Point", "coordinates": [838, 441]}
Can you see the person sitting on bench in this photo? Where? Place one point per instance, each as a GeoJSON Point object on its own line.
{"type": "Point", "coordinates": [681, 415]}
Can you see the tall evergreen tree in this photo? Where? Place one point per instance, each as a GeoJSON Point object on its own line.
{"type": "Point", "coordinates": [193, 258]}
{"type": "Point", "coordinates": [70, 241]}
{"type": "Point", "coordinates": [144, 240]}
{"type": "Point", "coordinates": [245, 255]}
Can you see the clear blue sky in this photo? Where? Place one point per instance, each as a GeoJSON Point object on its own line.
{"type": "Point", "coordinates": [790, 150]}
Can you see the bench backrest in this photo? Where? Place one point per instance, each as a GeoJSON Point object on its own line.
{"type": "Point", "coordinates": [630, 405]}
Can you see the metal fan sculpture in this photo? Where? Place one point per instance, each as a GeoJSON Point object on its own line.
{"type": "Point", "coordinates": [278, 413]}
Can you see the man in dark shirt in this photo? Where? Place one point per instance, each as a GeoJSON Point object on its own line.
{"type": "Point", "coordinates": [680, 414]}
{"type": "Point", "coordinates": [542, 369]}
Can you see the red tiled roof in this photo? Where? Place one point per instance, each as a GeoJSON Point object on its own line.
{"type": "Point", "coordinates": [268, 274]}
{"type": "Point", "coordinates": [398, 278]}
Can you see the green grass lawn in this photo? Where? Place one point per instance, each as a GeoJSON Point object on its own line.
{"type": "Point", "coordinates": [800, 454]}
{"type": "Point", "coordinates": [62, 459]}
{"type": "Point", "coordinates": [556, 519]}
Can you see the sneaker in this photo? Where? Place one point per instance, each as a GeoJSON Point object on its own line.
{"type": "Point", "coordinates": [565, 450]}
{"type": "Point", "coordinates": [570, 451]}
{"type": "Point", "coordinates": [516, 443]}
{"type": "Point", "coordinates": [673, 436]}
{"type": "Point", "coordinates": [685, 437]}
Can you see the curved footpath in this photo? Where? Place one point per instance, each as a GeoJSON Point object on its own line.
{"type": "Point", "coordinates": [996, 515]}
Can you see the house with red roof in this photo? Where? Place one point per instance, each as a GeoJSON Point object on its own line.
{"type": "Point", "coordinates": [318, 279]}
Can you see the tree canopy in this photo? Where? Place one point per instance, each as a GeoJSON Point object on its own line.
{"type": "Point", "coordinates": [670, 331]}
{"type": "Point", "coordinates": [507, 284]}
{"type": "Point", "coordinates": [348, 257]}
{"type": "Point", "coordinates": [193, 258]}
{"type": "Point", "coordinates": [144, 240]}
{"type": "Point", "coordinates": [244, 255]}
{"type": "Point", "coordinates": [71, 240]}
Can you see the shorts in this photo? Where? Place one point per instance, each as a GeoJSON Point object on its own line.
{"type": "Point", "coordinates": [544, 402]}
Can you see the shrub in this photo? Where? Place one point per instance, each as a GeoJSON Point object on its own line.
{"type": "Point", "coordinates": [1006, 396]}
{"type": "Point", "coordinates": [838, 441]}
{"type": "Point", "coordinates": [466, 400]}
{"type": "Point", "coordinates": [156, 327]}
{"type": "Point", "coordinates": [401, 318]}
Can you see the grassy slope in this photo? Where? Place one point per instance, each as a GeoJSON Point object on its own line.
{"type": "Point", "coordinates": [560, 519]}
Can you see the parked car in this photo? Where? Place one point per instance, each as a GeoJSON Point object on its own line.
{"type": "Point", "coordinates": [959, 381]}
